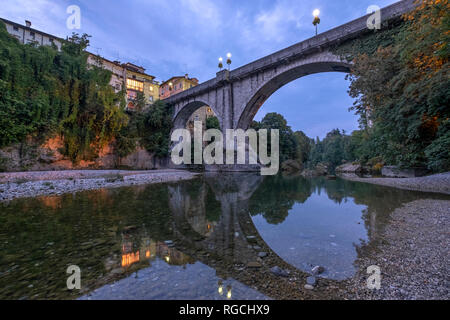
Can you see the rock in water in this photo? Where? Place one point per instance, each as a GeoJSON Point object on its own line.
{"type": "Point", "coordinates": [311, 280]}
{"type": "Point", "coordinates": [279, 272]}
{"type": "Point", "coordinates": [309, 287]}
{"type": "Point", "coordinates": [318, 270]}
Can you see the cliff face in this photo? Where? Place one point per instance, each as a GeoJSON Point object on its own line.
{"type": "Point", "coordinates": [30, 156]}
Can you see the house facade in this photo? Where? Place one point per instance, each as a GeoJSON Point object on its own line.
{"type": "Point", "coordinates": [25, 34]}
{"type": "Point", "coordinates": [126, 76]}
{"type": "Point", "coordinates": [176, 85]}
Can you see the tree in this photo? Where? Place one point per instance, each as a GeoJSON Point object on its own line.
{"type": "Point", "coordinates": [404, 91]}
{"type": "Point", "coordinates": [288, 141]}
{"type": "Point", "coordinates": [303, 146]}
{"type": "Point", "coordinates": [212, 123]}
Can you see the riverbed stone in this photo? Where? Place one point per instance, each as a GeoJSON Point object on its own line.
{"type": "Point", "coordinates": [279, 272]}
{"type": "Point", "coordinates": [254, 264]}
{"type": "Point", "coordinates": [311, 280]}
{"type": "Point", "coordinates": [318, 270]}
{"type": "Point", "coordinates": [262, 254]}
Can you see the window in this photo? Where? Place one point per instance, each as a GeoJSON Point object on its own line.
{"type": "Point", "coordinates": [51, 40]}
{"type": "Point", "coordinates": [15, 28]}
{"type": "Point", "coordinates": [32, 35]}
{"type": "Point", "coordinates": [131, 95]}
{"type": "Point", "coordinates": [150, 99]}
{"type": "Point", "coordinates": [135, 85]}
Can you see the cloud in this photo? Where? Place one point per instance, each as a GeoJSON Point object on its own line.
{"type": "Point", "coordinates": [278, 22]}
{"type": "Point", "coordinates": [45, 15]}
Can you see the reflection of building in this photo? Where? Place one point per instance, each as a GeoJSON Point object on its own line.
{"type": "Point", "coordinates": [148, 250]}
{"type": "Point", "coordinates": [176, 85]}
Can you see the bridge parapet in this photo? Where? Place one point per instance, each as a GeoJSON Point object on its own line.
{"type": "Point", "coordinates": [340, 34]}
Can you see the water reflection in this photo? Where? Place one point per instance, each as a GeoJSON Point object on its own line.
{"type": "Point", "coordinates": [212, 238]}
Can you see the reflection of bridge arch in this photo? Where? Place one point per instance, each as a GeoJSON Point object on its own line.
{"type": "Point", "coordinates": [233, 247]}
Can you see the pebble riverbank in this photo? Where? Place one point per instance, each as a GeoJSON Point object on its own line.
{"type": "Point", "coordinates": [438, 183]}
{"type": "Point", "coordinates": [32, 184]}
{"type": "Point", "coordinates": [412, 254]}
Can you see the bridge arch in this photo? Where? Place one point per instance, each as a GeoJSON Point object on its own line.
{"type": "Point", "coordinates": [267, 88]}
{"type": "Point", "coordinates": [185, 111]}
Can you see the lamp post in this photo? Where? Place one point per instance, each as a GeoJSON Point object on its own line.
{"type": "Point", "coordinates": [220, 63]}
{"type": "Point", "coordinates": [229, 60]}
{"type": "Point", "coordinates": [316, 20]}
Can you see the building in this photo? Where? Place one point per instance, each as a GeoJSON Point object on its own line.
{"type": "Point", "coordinates": [201, 114]}
{"type": "Point", "coordinates": [137, 81]}
{"type": "Point", "coordinates": [179, 84]}
{"type": "Point", "coordinates": [131, 76]}
{"type": "Point", "coordinates": [119, 73]}
{"type": "Point", "coordinates": [176, 85]}
{"type": "Point", "coordinates": [25, 34]}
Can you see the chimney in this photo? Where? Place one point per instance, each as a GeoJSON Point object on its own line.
{"type": "Point", "coordinates": [186, 76]}
{"type": "Point", "coordinates": [28, 23]}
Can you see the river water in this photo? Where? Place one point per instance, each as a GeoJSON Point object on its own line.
{"type": "Point", "coordinates": [215, 237]}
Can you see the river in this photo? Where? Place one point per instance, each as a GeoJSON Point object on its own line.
{"type": "Point", "coordinates": [214, 237]}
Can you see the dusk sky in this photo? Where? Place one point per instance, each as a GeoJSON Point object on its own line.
{"type": "Point", "coordinates": [175, 37]}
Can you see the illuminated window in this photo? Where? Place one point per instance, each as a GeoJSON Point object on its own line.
{"type": "Point", "coordinates": [135, 85]}
{"type": "Point", "coordinates": [131, 95]}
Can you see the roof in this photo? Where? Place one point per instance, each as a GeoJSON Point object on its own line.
{"type": "Point", "coordinates": [31, 29]}
{"type": "Point", "coordinates": [128, 65]}
{"type": "Point", "coordinates": [195, 80]}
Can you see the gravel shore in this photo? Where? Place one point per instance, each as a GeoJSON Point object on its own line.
{"type": "Point", "coordinates": [438, 183]}
{"type": "Point", "coordinates": [412, 253]}
{"type": "Point", "coordinates": [31, 184]}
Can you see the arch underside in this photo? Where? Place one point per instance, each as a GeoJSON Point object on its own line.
{"type": "Point", "coordinates": [280, 80]}
{"type": "Point", "coordinates": [182, 117]}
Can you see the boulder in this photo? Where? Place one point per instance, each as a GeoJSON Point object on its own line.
{"type": "Point", "coordinates": [396, 172]}
{"type": "Point", "coordinates": [350, 168]}
{"type": "Point", "coordinates": [322, 169]}
{"type": "Point", "coordinates": [291, 166]}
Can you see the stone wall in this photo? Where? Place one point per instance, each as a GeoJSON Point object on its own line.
{"type": "Point", "coordinates": [31, 156]}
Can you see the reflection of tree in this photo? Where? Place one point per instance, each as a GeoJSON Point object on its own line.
{"type": "Point", "coordinates": [277, 195]}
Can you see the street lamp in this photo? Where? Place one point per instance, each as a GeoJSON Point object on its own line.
{"type": "Point", "coordinates": [220, 63]}
{"type": "Point", "coordinates": [316, 18]}
{"type": "Point", "coordinates": [229, 60]}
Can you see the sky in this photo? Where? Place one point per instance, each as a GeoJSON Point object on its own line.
{"type": "Point", "coordinates": [174, 37]}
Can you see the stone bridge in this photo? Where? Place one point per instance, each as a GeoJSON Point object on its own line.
{"type": "Point", "coordinates": [236, 96]}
